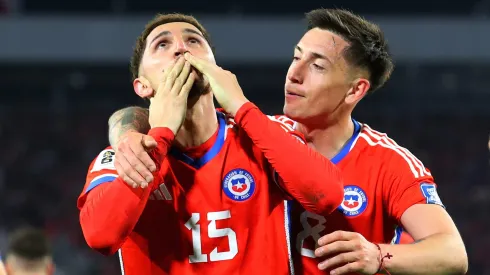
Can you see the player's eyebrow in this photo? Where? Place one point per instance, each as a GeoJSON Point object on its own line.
{"type": "Point", "coordinates": [163, 33]}
{"type": "Point", "coordinates": [314, 54]}
{"type": "Point", "coordinates": [185, 30]}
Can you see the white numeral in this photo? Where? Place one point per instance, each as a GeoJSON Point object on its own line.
{"type": "Point", "coordinates": [213, 232]}
{"type": "Point", "coordinates": [308, 231]}
{"type": "Point", "coordinates": [195, 228]}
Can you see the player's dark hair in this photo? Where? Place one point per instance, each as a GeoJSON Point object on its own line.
{"type": "Point", "coordinates": [160, 19]}
{"type": "Point", "coordinates": [367, 48]}
{"type": "Point", "coordinates": [29, 244]}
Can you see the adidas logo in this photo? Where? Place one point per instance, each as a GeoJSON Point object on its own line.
{"type": "Point", "coordinates": [161, 194]}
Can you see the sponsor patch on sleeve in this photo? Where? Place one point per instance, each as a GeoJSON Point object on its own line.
{"type": "Point", "coordinates": [105, 160]}
{"type": "Point", "coordinates": [429, 191]}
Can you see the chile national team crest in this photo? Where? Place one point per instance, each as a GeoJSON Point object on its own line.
{"type": "Point", "coordinates": [239, 185]}
{"type": "Point", "coordinates": [355, 201]}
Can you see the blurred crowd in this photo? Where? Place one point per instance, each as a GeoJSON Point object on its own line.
{"type": "Point", "coordinates": [52, 126]}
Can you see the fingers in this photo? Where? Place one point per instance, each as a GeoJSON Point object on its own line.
{"type": "Point", "coordinates": [184, 92]}
{"type": "Point", "coordinates": [334, 248]}
{"type": "Point", "coordinates": [122, 175]}
{"type": "Point", "coordinates": [124, 171]}
{"type": "Point", "coordinates": [174, 73]}
{"type": "Point", "coordinates": [180, 81]}
{"type": "Point", "coordinates": [135, 158]}
{"type": "Point", "coordinates": [201, 65]}
{"type": "Point", "coordinates": [346, 269]}
{"type": "Point", "coordinates": [195, 62]}
{"type": "Point", "coordinates": [336, 236]}
{"type": "Point", "coordinates": [167, 71]}
{"type": "Point", "coordinates": [149, 142]}
{"type": "Point", "coordinates": [338, 260]}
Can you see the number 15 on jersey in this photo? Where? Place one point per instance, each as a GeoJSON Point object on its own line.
{"type": "Point", "coordinates": [193, 225]}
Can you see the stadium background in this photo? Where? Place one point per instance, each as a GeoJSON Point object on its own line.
{"type": "Point", "coordinates": [64, 70]}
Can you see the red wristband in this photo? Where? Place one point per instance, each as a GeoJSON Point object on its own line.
{"type": "Point", "coordinates": [381, 259]}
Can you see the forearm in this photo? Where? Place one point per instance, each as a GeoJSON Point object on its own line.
{"type": "Point", "coordinates": [128, 119]}
{"type": "Point", "coordinates": [110, 211]}
{"type": "Point", "coordinates": [306, 175]}
{"type": "Point", "coordinates": [436, 254]}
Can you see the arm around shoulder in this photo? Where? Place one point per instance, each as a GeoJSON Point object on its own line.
{"type": "Point", "coordinates": [127, 119]}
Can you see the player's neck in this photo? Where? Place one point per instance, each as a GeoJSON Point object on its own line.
{"type": "Point", "coordinates": [331, 138]}
{"type": "Point", "coordinates": [200, 123]}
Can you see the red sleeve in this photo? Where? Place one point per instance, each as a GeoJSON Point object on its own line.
{"type": "Point", "coordinates": [409, 183]}
{"type": "Point", "coordinates": [109, 208]}
{"type": "Point", "coordinates": [313, 180]}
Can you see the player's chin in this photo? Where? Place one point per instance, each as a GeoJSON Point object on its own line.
{"type": "Point", "coordinates": [293, 112]}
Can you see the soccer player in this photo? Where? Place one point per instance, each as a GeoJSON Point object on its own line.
{"type": "Point", "coordinates": [29, 253]}
{"type": "Point", "coordinates": [214, 203]}
{"type": "Point", "coordinates": [341, 58]}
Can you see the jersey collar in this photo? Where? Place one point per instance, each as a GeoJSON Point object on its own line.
{"type": "Point", "coordinates": [348, 146]}
{"type": "Point", "coordinates": [218, 144]}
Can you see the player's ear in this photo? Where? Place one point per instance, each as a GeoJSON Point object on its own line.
{"type": "Point", "coordinates": [357, 91]}
{"type": "Point", "coordinates": [142, 87]}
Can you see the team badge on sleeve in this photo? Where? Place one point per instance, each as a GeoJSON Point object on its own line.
{"type": "Point", "coordinates": [355, 201]}
{"type": "Point", "coordinates": [430, 193]}
{"type": "Point", "coordinates": [105, 160]}
{"type": "Point", "coordinates": [239, 185]}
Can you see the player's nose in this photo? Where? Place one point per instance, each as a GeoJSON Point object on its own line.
{"type": "Point", "coordinates": [295, 74]}
{"type": "Point", "coordinates": [180, 49]}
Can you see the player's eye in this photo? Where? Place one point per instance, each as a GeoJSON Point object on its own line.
{"type": "Point", "coordinates": [194, 41]}
{"type": "Point", "coordinates": [318, 67]}
{"type": "Point", "coordinates": [162, 44]}
{"type": "Point", "coordinates": [295, 58]}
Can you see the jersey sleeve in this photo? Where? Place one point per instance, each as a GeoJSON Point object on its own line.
{"type": "Point", "coordinates": [320, 189]}
{"type": "Point", "coordinates": [410, 183]}
{"type": "Point", "coordinates": [110, 208]}
{"type": "Point", "coordinates": [100, 171]}
{"type": "Point", "coordinates": [288, 125]}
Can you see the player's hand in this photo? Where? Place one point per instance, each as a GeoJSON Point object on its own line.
{"type": "Point", "coordinates": [347, 252]}
{"type": "Point", "coordinates": [224, 84]}
{"type": "Point", "coordinates": [169, 104]}
{"type": "Point", "coordinates": [132, 161]}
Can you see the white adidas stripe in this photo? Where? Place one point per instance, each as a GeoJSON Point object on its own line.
{"type": "Point", "coordinates": [422, 169]}
{"type": "Point", "coordinates": [375, 138]}
{"type": "Point", "coordinates": [283, 121]}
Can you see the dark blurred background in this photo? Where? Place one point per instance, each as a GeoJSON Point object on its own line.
{"type": "Point", "coordinates": [64, 70]}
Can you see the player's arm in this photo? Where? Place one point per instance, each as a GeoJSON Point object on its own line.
{"type": "Point", "coordinates": [129, 119]}
{"type": "Point", "coordinates": [409, 197]}
{"type": "Point", "coordinates": [320, 189]}
{"type": "Point", "coordinates": [109, 208]}
{"type": "Point", "coordinates": [306, 175]}
{"type": "Point", "coordinates": [412, 199]}
{"type": "Point", "coordinates": [438, 246]}
{"type": "Point", "coordinates": [127, 135]}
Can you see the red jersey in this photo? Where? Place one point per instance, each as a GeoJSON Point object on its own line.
{"type": "Point", "coordinates": [382, 180]}
{"type": "Point", "coordinates": [219, 214]}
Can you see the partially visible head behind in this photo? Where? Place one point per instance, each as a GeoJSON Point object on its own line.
{"type": "Point", "coordinates": [164, 38]}
{"type": "Point", "coordinates": [29, 252]}
{"type": "Point", "coordinates": [340, 58]}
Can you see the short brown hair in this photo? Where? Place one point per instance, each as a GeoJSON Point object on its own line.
{"type": "Point", "coordinates": [29, 244]}
{"type": "Point", "coordinates": [367, 48]}
{"type": "Point", "coordinates": [160, 19]}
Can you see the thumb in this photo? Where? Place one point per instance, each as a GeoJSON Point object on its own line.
{"type": "Point", "coordinates": [148, 142]}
